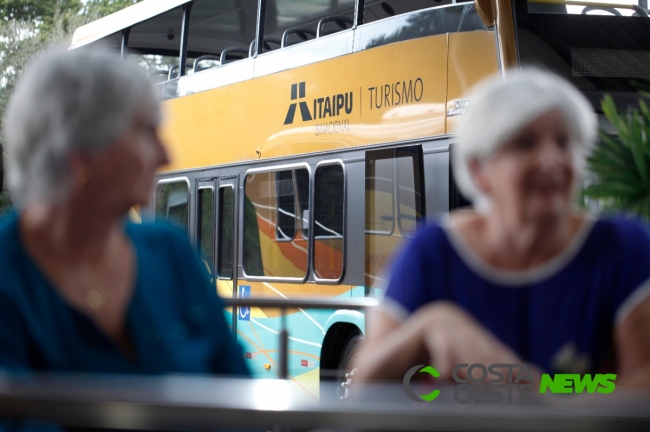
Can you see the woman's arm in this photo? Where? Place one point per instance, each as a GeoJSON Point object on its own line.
{"type": "Point", "coordinates": [390, 348]}
{"type": "Point", "coordinates": [632, 339]}
{"type": "Point", "coordinates": [227, 357]}
{"type": "Point", "coordinates": [13, 339]}
{"type": "Point", "coordinates": [440, 334]}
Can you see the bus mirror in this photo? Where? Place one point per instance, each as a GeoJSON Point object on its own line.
{"type": "Point", "coordinates": [485, 10]}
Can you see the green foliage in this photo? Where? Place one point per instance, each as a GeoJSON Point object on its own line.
{"type": "Point", "coordinates": [100, 8]}
{"type": "Point", "coordinates": [37, 11]}
{"type": "Point", "coordinates": [621, 162]}
{"type": "Point", "coordinates": [45, 12]}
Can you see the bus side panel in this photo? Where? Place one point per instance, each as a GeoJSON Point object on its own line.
{"type": "Point", "coordinates": [472, 57]}
{"type": "Point", "coordinates": [258, 331]}
{"type": "Point", "coordinates": [389, 93]}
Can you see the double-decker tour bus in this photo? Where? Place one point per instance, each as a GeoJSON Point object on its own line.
{"type": "Point", "coordinates": [310, 138]}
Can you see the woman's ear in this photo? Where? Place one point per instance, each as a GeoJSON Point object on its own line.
{"type": "Point", "coordinates": [80, 170]}
{"type": "Point", "coordinates": [477, 173]}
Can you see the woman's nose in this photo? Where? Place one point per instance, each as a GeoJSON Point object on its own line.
{"type": "Point", "coordinates": [550, 154]}
{"type": "Point", "coordinates": [163, 154]}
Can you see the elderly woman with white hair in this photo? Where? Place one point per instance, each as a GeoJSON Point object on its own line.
{"type": "Point", "coordinates": [82, 289]}
{"type": "Point", "coordinates": [524, 277]}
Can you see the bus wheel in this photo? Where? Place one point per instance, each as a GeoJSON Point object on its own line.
{"type": "Point", "coordinates": [347, 359]}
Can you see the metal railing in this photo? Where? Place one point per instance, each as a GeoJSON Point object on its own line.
{"type": "Point", "coordinates": [298, 303]}
{"type": "Point", "coordinates": [207, 403]}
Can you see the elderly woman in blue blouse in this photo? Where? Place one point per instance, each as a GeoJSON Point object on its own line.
{"type": "Point", "coordinates": [525, 276]}
{"type": "Point", "coordinates": [81, 288]}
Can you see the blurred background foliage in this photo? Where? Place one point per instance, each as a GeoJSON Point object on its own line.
{"type": "Point", "coordinates": [29, 26]}
{"type": "Point", "coordinates": [620, 162]}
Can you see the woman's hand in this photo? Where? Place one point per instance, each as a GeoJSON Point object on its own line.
{"type": "Point", "coordinates": [440, 334]}
{"type": "Point", "coordinates": [632, 336]}
{"type": "Point", "coordinates": [451, 336]}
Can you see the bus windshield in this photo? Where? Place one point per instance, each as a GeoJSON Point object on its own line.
{"type": "Point", "coordinates": [600, 46]}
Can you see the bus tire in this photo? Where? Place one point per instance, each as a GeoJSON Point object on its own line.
{"type": "Point", "coordinates": [347, 360]}
{"type": "Point", "coordinates": [351, 350]}
{"type": "Point", "coordinates": [336, 352]}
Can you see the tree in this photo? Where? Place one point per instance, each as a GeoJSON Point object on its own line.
{"type": "Point", "coordinates": [33, 11]}
{"type": "Point", "coordinates": [100, 8]}
{"type": "Point", "coordinates": [19, 41]}
{"type": "Point", "coordinates": [30, 26]}
{"type": "Point", "coordinates": [46, 11]}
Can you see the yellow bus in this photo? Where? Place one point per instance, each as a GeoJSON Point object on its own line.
{"type": "Point", "coordinates": [310, 138]}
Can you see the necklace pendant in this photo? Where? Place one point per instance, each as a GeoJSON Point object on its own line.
{"type": "Point", "coordinates": [96, 298]}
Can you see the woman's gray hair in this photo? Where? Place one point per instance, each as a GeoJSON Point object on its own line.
{"type": "Point", "coordinates": [66, 101]}
{"type": "Point", "coordinates": [500, 108]}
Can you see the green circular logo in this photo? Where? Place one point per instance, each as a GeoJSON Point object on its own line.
{"type": "Point", "coordinates": [407, 383]}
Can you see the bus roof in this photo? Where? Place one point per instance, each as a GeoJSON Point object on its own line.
{"type": "Point", "coordinates": [122, 19]}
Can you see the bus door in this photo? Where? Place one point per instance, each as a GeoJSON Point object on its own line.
{"type": "Point", "coordinates": [203, 235]}
{"type": "Point", "coordinates": [226, 235]}
{"type": "Point", "coordinates": [395, 207]}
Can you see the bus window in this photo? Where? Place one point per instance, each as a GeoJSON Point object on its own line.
{"type": "Point", "coordinates": [283, 15]}
{"type": "Point", "coordinates": [329, 199]}
{"type": "Point", "coordinates": [205, 234]}
{"type": "Point", "coordinates": [271, 225]}
{"type": "Point", "coordinates": [380, 9]}
{"type": "Point", "coordinates": [302, 184]}
{"type": "Point", "coordinates": [379, 193]}
{"type": "Point", "coordinates": [155, 50]}
{"type": "Point", "coordinates": [172, 203]}
{"type": "Point", "coordinates": [285, 228]}
{"type": "Point", "coordinates": [158, 67]}
{"type": "Point", "coordinates": [219, 25]}
{"type": "Point", "coordinates": [409, 190]}
{"type": "Point", "coordinates": [252, 253]}
{"type": "Point", "coordinates": [226, 232]}
{"type": "Point", "coordinates": [394, 180]}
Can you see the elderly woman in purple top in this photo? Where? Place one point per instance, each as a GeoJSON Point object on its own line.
{"type": "Point", "coordinates": [524, 277]}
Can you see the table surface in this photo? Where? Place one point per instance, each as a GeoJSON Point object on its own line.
{"type": "Point", "coordinates": [198, 402]}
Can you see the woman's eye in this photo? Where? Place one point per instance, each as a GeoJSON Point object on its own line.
{"type": "Point", "coordinates": [150, 129]}
{"type": "Point", "coordinates": [525, 143]}
{"type": "Point", "coordinates": [563, 142]}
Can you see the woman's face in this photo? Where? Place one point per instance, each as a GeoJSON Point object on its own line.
{"type": "Point", "coordinates": [532, 176]}
{"type": "Point", "coordinates": [122, 176]}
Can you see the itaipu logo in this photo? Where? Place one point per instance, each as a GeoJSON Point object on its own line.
{"type": "Point", "coordinates": [496, 382]}
{"type": "Point", "coordinates": [322, 107]}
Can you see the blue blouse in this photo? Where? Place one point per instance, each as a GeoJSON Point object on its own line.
{"type": "Point", "coordinates": [560, 315]}
{"type": "Point", "coordinates": [175, 320]}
